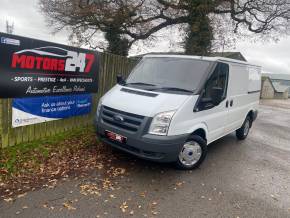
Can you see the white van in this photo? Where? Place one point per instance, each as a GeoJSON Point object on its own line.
{"type": "Point", "coordinates": [172, 106]}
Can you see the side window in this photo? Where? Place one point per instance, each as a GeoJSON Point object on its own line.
{"type": "Point", "coordinates": [215, 89]}
{"type": "Point", "coordinates": [219, 79]}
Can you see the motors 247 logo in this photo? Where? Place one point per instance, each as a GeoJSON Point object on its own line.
{"type": "Point", "coordinates": [51, 58]}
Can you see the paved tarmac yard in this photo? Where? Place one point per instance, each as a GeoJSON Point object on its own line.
{"type": "Point", "coordinates": [238, 179]}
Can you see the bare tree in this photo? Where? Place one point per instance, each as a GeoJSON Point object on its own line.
{"type": "Point", "coordinates": [261, 17]}
{"type": "Point", "coordinates": [87, 19]}
{"type": "Point", "coordinates": [123, 22]}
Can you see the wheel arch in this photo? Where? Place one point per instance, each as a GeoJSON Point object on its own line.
{"type": "Point", "coordinates": [252, 115]}
{"type": "Point", "coordinates": [200, 130]}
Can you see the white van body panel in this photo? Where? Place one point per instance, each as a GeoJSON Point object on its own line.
{"type": "Point", "coordinates": [243, 90]}
{"type": "Point", "coordinates": [143, 105]}
{"type": "Point", "coordinates": [212, 121]}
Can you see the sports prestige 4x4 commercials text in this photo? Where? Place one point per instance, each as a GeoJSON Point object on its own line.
{"type": "Point", "coordinates": [32, 67]}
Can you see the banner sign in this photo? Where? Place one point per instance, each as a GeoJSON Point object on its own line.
{"type": "Point", "coordinates": [28, 111]}
{"type": "Point", "coordinates": [30, 67]}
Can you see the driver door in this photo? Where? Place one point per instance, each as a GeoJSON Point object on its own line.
{"type": "Point", "coordinates": [215, 115]}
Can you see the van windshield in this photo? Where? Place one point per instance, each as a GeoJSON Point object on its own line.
{"type": "Point", "coordinates": [168, 74]}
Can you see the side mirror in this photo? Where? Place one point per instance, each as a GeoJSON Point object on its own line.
{"type": "Point", "coordinates": [120, 79]}
{"type": "Point", "coordinates": [217, 95]}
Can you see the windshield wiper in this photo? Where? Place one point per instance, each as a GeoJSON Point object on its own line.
{"type": "Point", "coordinates": [139, 83]}
{"type": "Point", "coordinates": [172, 89]}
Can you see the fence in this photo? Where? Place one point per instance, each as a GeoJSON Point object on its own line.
{"type": "Point", "coordinates": [110, 66]}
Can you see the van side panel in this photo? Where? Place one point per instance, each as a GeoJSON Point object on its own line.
{"type": "Point", "coordinates": [222, 120]}
{"type": "Point", "coordinates": [244, 93]}
{"type": "Point", "coordinates": [254, 79]}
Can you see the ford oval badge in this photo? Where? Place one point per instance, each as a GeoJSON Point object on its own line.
{"type": "Point", "coordinates": [119, 118]}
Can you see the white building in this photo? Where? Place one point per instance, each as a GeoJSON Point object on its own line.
{"type": "Point", "coordinates": [274, 89]}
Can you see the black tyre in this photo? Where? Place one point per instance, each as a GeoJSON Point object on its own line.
{"type": "Point", "coordinates": [243, 132]}
{"type": "Point", "coordinates": [192, 153]}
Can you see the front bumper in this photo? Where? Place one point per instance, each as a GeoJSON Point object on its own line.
{"type": "Point", "coordinates": [150, 147]}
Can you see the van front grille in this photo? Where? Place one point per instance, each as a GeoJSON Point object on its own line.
{"type": "Point", "coordinates": [121, 119]}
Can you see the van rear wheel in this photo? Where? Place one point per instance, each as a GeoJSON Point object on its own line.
{"type": "Point", "coordinates": [243, 132]}
{"type": "Point", "coordinates": [192, 153]}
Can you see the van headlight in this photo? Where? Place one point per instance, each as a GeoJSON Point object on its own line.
{"type": "Point", "coordinates": [160, 123]}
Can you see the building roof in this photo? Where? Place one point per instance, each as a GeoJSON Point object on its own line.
{"type": "Point", "coordinates": [277, 76]}
{"type": "Point", "coordinates": [231, 55]}
{"type": "Point", "coordinates": [280, 88]}
{"type": "Point", "coordinates": [277, 86]}
{"type": "Point", "coordinates": [212, 58]}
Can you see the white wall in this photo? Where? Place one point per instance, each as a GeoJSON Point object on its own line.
{"type": "Point", "coordinates": [267, 90]}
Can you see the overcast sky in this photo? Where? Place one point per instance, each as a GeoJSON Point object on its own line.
{"type": "Point", "coordinates": [273, 57]}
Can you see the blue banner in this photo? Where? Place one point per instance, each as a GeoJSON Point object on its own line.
{"type": "Point", "coordinates": [28, 111]}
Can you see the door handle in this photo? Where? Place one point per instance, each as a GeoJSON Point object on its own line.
{"type": "Point", "coordinates": [227, 104]}
{"type": "Point", "coordinates": [232, 103]}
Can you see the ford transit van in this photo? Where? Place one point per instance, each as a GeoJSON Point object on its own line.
{"type": "Point", "coordinates": [171, 107]}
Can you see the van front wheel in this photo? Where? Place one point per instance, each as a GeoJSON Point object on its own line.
{"type": "Point", "coordinates": [243, 132]}
{"type": "Point", "coordinates": [192, 153]}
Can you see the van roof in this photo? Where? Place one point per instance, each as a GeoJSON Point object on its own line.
{"type": "Point", "coordinates": [205, 58]}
